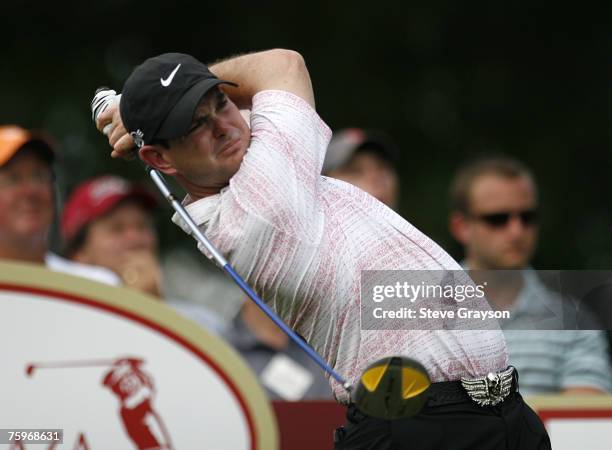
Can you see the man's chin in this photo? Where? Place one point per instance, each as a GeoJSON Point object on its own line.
{"type": "Point", "coordinates": [33, 226]}
{"type": "Point", "coordinates": [235, 161]}
{"type": "Point", "coordinates": [31, 234]}
{"type": "Point", "coordinates": [515, 263]}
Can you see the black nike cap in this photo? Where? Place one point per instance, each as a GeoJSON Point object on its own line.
{"type": "Point", "coordinates": [161, 95]}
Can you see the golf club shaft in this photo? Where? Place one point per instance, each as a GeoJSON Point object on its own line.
{"type": "Point", "coordinates": [221, 262]}
{"type": "Point", "coordinates": [101, 101]}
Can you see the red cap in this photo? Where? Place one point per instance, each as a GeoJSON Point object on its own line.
{"type": "Point", "coordinates": [96, 197]}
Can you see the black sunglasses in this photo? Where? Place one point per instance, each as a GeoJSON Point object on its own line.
{"type": "Point", "coordinates": [501, 219]}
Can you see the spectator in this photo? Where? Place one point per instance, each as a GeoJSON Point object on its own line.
{"type": "Point", "coordinates": [284, 370]}
{"type": "Point", "coordinates": [494, 205]}
{"type": "Point", "coordinates": [27, 202]}
{"type": "Point", "coordinates": [365, 159]}
{"type": "Point", "coordinates": [108, 222]}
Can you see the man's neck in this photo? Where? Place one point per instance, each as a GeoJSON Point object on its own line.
{"type": "Point", "coordinates": [503, 286]}
{"type": "Point", "coordinates": [197, 191]}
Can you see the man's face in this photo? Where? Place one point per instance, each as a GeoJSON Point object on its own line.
{"type": "Point", "coordinates": [500, 231]}
{"type": "Point", "coordinates": [372, 174]}
{"type": "Point", "coordinates": [212, 151]}
{"type": "Point", "coordinates": [26, 198]}
{"type": "Point", "coordinates": [114, 237]}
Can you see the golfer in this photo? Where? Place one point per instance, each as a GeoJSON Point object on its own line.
{"type": "Point", "coordinates": [302, 240]}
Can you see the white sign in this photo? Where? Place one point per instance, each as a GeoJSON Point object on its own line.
{"type": "Point", "coordinates": [117, 370]}
{"type": "Point", "coordinates": [570, 434]}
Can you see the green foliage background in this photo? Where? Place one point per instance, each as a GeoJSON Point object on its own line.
{"type": "Point", "coordinates": [448, 80]}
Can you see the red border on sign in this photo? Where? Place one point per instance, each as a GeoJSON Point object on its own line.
{"type": "Point", "coordinates": [136, 318]}
{"type": "Point", "coordinates": [547, 414]}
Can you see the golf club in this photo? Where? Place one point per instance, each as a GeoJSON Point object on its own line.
{"type": "Point", "coordinates": [390, 388]}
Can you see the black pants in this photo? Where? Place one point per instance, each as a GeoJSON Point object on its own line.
{"type": "Point", "coordinates": [450, 420]}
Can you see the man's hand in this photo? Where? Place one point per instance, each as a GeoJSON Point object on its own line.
{"type": "Point", "coordinates": [139, 269]}
{"type": "Point", "coordinates": [118, 137]}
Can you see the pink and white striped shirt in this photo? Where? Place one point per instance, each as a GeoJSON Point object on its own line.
{"type": "Point", "coordinates": [301, 240]}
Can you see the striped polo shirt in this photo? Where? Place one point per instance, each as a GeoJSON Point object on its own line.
{"type": "Point", "coordinates": [550, 360]}
{"type": "Point", "coordinates": [302, 240]}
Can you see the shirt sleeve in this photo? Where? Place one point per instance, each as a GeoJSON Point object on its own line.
{"type": "Point", "coordinates": [586, 362]}
{"type": "Point", "coordinates": [280, 175]}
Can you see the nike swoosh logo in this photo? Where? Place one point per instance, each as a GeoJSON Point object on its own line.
{"type": "Point", "coordinates": [167, 81]}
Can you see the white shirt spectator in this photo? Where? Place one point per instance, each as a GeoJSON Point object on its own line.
{"type": "Point", "coordinates": [95, 273]}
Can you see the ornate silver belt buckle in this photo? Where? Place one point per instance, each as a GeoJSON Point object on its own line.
{"type": "Point", "coordinates": [490, 390]}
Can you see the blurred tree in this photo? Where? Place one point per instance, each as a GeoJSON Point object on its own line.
{"type": "Point", "coordinates": [448, 80]}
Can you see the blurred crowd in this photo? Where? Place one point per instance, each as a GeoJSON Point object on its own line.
{"type": "Point", "coordinates": [108, 235]}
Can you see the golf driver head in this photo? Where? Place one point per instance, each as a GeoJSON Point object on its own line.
{"type": "Point", "coordinates": [392, 388]}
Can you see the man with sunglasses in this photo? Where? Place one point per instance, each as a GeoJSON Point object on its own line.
{"type": "Point", "coordinates": [494, 216]}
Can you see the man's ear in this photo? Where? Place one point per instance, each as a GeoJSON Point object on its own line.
{"type": "Point", "coordinates": [458, 226]}
{"type": "Point", "coordinates": [153, 156]}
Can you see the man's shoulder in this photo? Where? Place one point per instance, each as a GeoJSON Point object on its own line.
{"type": "Point", "coordinates": [276, 96]}
{"type": "Point", "coordinates": [277, 104]}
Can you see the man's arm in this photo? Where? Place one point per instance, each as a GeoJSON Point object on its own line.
{"type": "Point", "coordinates": [272, 69]}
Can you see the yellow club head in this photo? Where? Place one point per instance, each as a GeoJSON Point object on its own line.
{"type": "Point", "coordinates": [392, 388]}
